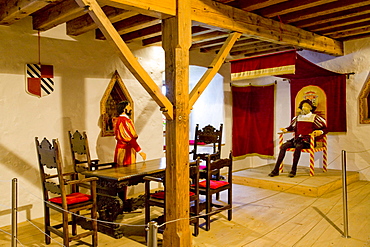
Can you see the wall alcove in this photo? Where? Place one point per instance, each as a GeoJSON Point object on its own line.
{"type": "Point", "coordinates": [115, 93]}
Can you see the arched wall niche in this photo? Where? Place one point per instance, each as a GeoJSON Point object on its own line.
{"type": "Point", "coordinates": [364, 102]}
{"type": "Point", "coordinates": [115, 93]}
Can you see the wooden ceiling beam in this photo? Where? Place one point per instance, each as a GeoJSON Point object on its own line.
{"type": "Point", "coordinates": [85, 23]}
{"type": "Point", "coordinates": [14, 10]}
{"type": "Point", "coordinates": [233, 19]}
{"type": "Point", "coordinates": [131, 24]}
{"type": "Point", "coordinates": [250, 24]}
{"type": "Point", "coordinates": [55, 15]}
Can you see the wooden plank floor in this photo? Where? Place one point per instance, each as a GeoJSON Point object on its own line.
{"type": "Point", "coordinates": [261, 217]}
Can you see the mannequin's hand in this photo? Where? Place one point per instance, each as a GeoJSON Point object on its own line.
{"type": "Point", "coordinates": [317, 133]}
{"type": "Point", "coordinates": [143, 155]}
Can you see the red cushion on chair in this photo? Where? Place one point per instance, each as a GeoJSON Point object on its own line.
{"type": "Point", "coordinates": [160, 194]}
{"type": "Point", "coordinates": [72, 198]}
{"type": "Point", "coordinates": [214, 184]}
{"type": "Point", "coordinates": [202, 167]}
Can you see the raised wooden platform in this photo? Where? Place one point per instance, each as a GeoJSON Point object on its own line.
{"type": "Point", "coordinates": [301, 184]}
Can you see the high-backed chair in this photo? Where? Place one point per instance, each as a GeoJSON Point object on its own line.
{"type": "Point", "coordinates": [61, 194]}
{"type": "Point", "coordinates": [210, 187]}
{"type": "Point", "coordinates": [81, 153]}
{"type": "Point", "coordinates": [158, 198]}
{"type": "Point", "coordinates": [318, 145]}
{"type": "Point", "coordinates": [207, 135]}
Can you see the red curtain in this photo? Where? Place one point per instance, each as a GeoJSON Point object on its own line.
{"type": "Point", "coordinates": [253, 120]}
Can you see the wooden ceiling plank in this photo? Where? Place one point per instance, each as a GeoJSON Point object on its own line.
{"type": "Point", "coordinates": [212, 69]}
{"type": "Point", "coordinates": [333, 17]}
{"type": "Point", "coordinates": [159, 9]}
{"type": "Point", "coordinates": [227, 17]}
{"type": "Point", "coordinates": [144, 33]}
{"type": "Point", "coordinates": [350, 30]}
{"type": "Point", "coordinates": [209, 36]}
{"type": "Point", "coordinates": [126, 55]}
{"type": "Point", "coordinates": [55, 15]}
{"type": "Point", "coordinates": [14, 10]}
{"type": "Point", "coordinates": [338, 24]}
{"type": "Point", "coordinates": [261, 50]}
{"type": "Point", "coordinates": [131, 24]}
{"type": "Point", "coordinates": [84, 23]}
{"type": "Point", "coordinates": [323, 10]}
{"type": "Point", "coordinates": [237, 45]}
{"type": "Point", "coordinates": [290, 6]}
{"type": "Point", "coordinates": [258, 4]}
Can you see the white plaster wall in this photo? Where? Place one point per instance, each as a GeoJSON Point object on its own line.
{"type": "Point", "coordinates": [83, 68]}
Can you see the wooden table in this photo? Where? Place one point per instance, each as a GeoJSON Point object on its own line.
{"type": "Point", "coordinates": [111, 190]}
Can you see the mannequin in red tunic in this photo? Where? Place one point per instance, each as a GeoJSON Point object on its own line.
{"type": "Point", "coordinates": [303, 125]}
{"type": "Point", "coordinates": [124, 131]}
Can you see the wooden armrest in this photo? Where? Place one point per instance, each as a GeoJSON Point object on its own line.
{"type": "Point", "coordinates": [82, 181]}
{"type": "Point", "coordinates": [150, 178]}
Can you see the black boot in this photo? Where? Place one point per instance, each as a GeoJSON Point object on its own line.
{"type": "Point", "coordinates": [274, 173]}
{"type": "Point", "coordinates": [292, 174]}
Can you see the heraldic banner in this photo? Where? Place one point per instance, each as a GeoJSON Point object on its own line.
{"type": "Point", "coordinates": [39, 79]}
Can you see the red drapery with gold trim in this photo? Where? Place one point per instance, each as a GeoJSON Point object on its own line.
{"type": "Point", "coordinates": [253, 120]}
{"type": "Point", "coordinates": [301, 73]}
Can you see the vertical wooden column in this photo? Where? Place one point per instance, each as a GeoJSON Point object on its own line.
{"type": "Point", "coordinates": [176, 40]}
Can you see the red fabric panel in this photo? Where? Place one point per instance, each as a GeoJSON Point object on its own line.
{"type": "Point", "coordinates": [213, 184]}
{"type": "Point", "coordinates": [263, 62]}
{"type": "Point", "coordinates": [253, 120]}
{"type": "Point", "coordinates": [72, 198]}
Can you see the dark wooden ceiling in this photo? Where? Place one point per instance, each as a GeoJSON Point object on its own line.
{"type": "Point", "coordinates": [339, 20]}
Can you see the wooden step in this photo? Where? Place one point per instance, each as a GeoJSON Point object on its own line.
{"type": "Point", "coordinates": [301, 184]}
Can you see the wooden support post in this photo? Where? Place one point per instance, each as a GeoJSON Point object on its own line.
{"type": "Point", "coordinates": [176, 36]}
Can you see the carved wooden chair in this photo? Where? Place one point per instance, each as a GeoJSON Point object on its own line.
{"type": "Point", "coordinates": [318, 145]}
{"type": "Point", "coordinates": [207, 135]}
{"type": "Point", "coordinates": [61, 194]}
{"type": "Point", "coordinates": [158, 198]}
{"type": "Point", "coordinates": [81, 153]}
{"type": "Point", "coordinates": [210, 187]}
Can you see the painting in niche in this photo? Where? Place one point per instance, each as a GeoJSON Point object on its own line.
{"type": "Point", "coordinates": [364, 102]}
{"type": "Point", "coordinates": [317, 97]}
{"type": "Point", "coordinates": [115, 93]}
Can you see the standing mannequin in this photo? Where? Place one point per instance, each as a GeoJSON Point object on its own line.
{"type": "Point", "coordinates": [305, 124]}
{"type": "Point", "coordinates": [125, 134]}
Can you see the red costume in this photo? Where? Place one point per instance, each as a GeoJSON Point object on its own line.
{"type": "Point", "coordinates": [302, 125]}
{"type": "Point", "coordinates": [127, 145]}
